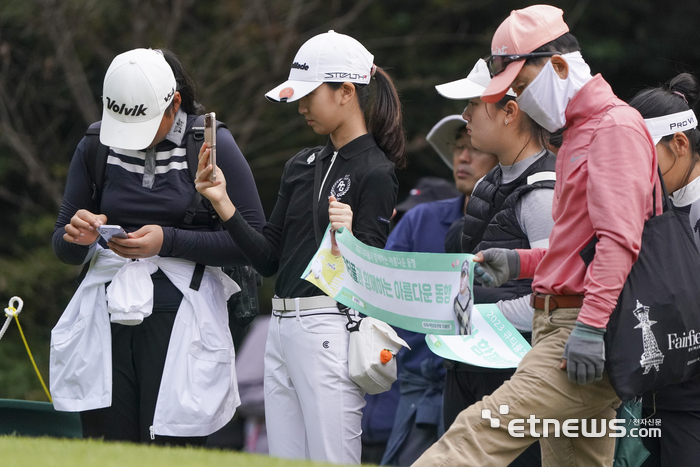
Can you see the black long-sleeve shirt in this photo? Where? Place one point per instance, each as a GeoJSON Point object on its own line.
{"type": "Point", "coordinates": [127, 203]}
{"type": "Point", "coordinates": [360, 176]}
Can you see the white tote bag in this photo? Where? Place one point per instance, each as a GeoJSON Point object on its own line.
{"type": "Point", "coordinates": [368, 338]}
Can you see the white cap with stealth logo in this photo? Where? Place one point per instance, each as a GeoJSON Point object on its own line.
{"type": "Point", "coordinates": [138, 87]}
{"type": "Point", "coordinates": [327, 57]}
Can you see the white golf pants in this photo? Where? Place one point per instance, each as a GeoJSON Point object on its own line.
{"type": "Point", "coordinates": [312, 408]}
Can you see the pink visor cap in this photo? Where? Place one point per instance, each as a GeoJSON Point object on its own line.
{"type": "Point", "coordinates": [522, 32]}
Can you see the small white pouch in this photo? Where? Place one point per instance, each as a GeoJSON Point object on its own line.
{"type": "Point", "coordinates": [130, 295]}
{"type": "Point", "coordinates": [368, 338]}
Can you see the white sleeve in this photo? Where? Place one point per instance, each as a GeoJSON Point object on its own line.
{"type": "Point", "coordinates": [518, 311]}
{"type": "Point", "coordinates": [534, 213]}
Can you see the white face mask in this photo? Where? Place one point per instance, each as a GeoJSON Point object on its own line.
{"type": "Point", "coordinates": [545, 99]}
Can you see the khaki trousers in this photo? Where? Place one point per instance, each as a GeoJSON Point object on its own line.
{"type": "Point", "coordinates": [540, 388]}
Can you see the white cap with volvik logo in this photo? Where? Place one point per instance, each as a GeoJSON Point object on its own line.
{"type": "Point", "coordinates": [326, 58]}
{"type": "Point", "coordinates": [138, 87]}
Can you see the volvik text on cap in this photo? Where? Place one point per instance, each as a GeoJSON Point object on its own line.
{"type": "Point", "coordinates": [138, 87]}
{"type": "Point", "coordinates": [522, 32]}
{"type": "Point", "coordinates": [327, 57]}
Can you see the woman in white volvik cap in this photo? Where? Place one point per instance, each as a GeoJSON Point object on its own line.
{"type": "Point", "coordinates": [162, 370]}
{"type": "Point", "coordinates": [668, 113]}
{"type": "Point", "coordinates": [312, 408]}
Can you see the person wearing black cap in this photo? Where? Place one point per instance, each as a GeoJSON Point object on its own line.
{"type": "Point", "coordinates": [312, 407]}
{"type": "Point", "coordinates": [426, 190]}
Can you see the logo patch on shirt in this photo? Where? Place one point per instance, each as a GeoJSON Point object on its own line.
{"type": "Point", "coordinates": [311, 158]}
{"type": "Point", "coordinates": [179, 125]}
{"type": "Point", "coordinates": [384, 219]}
{"type": "Point", "coordinates": [340, 187]}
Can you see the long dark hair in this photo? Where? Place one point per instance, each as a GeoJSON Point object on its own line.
{"type": "Point", "coordinates": [385, 116]}
{"type": "Point", "coordinates": [677, 95]}
{"type": "Point", "coordinates": [186, 86]}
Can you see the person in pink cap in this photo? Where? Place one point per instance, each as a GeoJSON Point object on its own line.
{"type": "Point", "coordinates": [606, 172]}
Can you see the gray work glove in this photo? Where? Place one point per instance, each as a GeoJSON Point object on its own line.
{"type": "Point", "coordinates": [499, 266]}
{"type": "Point", "coordinates": [585, 354]}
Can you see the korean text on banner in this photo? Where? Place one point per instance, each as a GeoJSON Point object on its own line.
{"type": "Point", "coordinates": [420, 292]}
{"type": "Point", "coordinates": [494, 343]}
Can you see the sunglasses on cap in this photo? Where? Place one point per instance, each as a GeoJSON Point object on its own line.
{"type": "Point", "coordinates": [498, 63]}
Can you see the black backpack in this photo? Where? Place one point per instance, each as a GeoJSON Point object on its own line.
{"type": "Point", "coordinates": [243, 306]}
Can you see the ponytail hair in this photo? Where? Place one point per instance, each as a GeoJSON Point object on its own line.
{"type": "Point", "coordinates": [385, 116]}
{"type": "Point", "coordinates": [186, 86]}
{"type": "Point", "coordinates": [677, 95]}
{"type": "Point", "coordinates": [386, 119]}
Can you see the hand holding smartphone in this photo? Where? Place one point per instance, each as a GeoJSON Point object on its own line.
{"type": "Point", "coordinates": [210, 137]}
{"type": "Point", "coordinates": [108, 231]}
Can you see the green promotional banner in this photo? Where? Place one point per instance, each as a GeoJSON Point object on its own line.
{"type": "Point", "coordinates": [414, 291]}
{"type": "Point", "coordinates": [494, 342]}
{"type": "Point", "coordinates": [429, 293]}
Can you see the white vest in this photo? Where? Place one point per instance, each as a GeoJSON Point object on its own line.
{"type": "Point", "coordinates": [198, 392]}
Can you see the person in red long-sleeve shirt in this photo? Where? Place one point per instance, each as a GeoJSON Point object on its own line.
{"type": "Point", "coordinates": [606, 171]}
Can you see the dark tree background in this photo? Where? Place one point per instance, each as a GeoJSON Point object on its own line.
{"type": "Point", "coordinates": [53, 56]}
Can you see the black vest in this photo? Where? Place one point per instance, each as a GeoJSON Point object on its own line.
{"type": "Point", "coordinates": [491, 221]}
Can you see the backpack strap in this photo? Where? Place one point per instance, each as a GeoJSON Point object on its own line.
{"type": "Point", "coordinates": [97, 165]}
{"type": "Point", "coordinates": [96, 161]}
{"type": "Point", "coordinates": [197, 275]}
{"type": "Point", "coordinates": [195, 139]}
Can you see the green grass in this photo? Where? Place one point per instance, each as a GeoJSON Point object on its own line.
{"type": "Point", "coordinates": [50, 452]}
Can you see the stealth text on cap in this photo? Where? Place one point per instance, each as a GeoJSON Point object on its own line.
{"type": "Point", "coordinates": [300, 66]}
{"type": "Point", "coordinates": [135, 111]}
{"type": "Point", "coordinates": [340, 74]}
